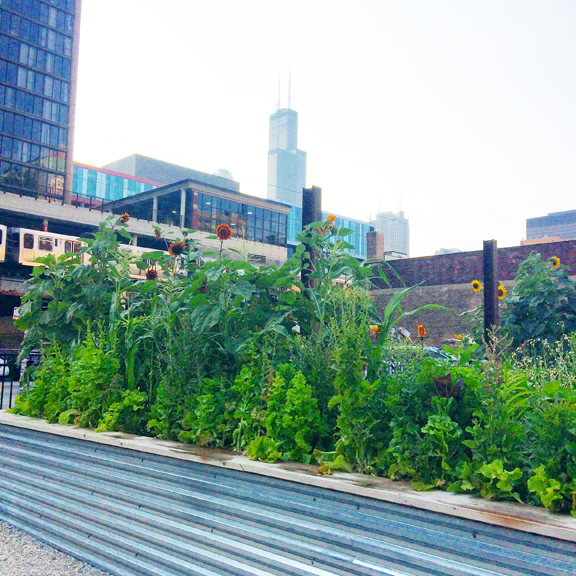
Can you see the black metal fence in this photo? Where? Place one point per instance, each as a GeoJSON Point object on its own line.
{"type": "Point", "coordinates": [10, 373]}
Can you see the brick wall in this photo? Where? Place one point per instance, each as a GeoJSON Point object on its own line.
{"type": "Point", "coordinates": [463, 267]}
{"type": "Point", "coordinates": [440, 325]}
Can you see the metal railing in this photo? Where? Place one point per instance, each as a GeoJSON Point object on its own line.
{"type": "Point", "coordinates": [49, 194]}
{"type": "Point", "coordinates": [10, 372]}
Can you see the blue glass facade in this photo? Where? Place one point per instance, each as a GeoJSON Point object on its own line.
{"type": "Point", "coordinates": [246, 221]}
{"type": "Point", "coordinates": [357, 238]}
{"type": "Point", "coordinates": [36, 51]}
{"type": "Point", "coordinates": [100, 185]}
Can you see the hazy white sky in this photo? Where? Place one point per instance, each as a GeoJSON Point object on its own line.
{"type": "Point", "coordinates": [462, 111]}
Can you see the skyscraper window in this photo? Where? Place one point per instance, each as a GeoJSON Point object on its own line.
{"type": "Point", "coordinates": [38, 62]}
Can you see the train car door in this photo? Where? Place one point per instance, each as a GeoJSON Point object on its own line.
{"type": "Point", "coordinates": [27, 248]}
{"type": "Point", "coordinates": [3, 240]}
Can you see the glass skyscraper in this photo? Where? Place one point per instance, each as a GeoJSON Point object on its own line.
{"type": "Point", "coordinates": [286, 164]}
{"type": "Point", "coordinates": [38, 69]}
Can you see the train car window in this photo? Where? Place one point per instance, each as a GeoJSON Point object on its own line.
{"type": "Point", "coordinates": [28, 242]}
{"type": "Point", "coordinates": [70, 246]}
{"type": "Point", "coordinates": [45, 243]}
{"type": "Point", "coordinates": [1, 236]}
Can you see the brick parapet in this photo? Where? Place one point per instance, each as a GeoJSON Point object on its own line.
{"type": "Point", "coordinates": [463, 267]}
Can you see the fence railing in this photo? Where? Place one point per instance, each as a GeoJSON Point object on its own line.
{"type": "Point", "coordinates": [48, 193]}
{"type": "Point", "coordinates": [10, 373]}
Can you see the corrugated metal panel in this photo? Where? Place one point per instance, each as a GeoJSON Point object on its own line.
{"type": "Point", "coordinates": [138, 514]}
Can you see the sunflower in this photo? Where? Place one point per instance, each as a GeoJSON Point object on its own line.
{"type": "Point", "coordinates": [554, 262]}
{"type": "Point", "coordinates": [157, 234]}
{"type": "Point", "coordinates": [151, 274]}
{"type": "Point", "coordinates": [476, 285]}
{"type": "Point", "coordinates": [501, 292]}
{"type": "Point", "coordinates": [328, 223]}
{"type": "Point", "coordinates": [124, 218]}
{"type": "Point", "coordinates": [458, 336]}
{"type": "Point", "coordinates": [176, 248]}
{"type": "Point", "coordinates": [223, 232]}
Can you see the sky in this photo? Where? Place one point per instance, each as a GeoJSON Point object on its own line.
{"type": "Point", "coordinates": [462, 113]}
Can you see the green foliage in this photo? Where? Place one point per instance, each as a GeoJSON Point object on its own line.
{"type": "Point", "coordinates": [554, 494]}
{"type": "Point", "coordinates": [209, 355]}
{"type": "Point", "coordinates": [209, 423]}
{"type": "Point", "coordinates": [542, 304]}
{"type": "Point", "coordinates": [263, 448]}
{"type": "Point", "coordinates": [77, 388]}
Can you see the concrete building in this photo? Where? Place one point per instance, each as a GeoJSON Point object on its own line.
{"type": "Point", "coordinates": [559, 224]}
{"type": "Point", "coordinates": [396, 230]}
{"type": "Point", "coordinates": [152, 169]}
{"type": "Point", "coordinates": [38, 72]}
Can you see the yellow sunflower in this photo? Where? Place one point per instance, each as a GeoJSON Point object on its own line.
{"type": "Point", "coordinates": [554, 262]}
{"type": "Point", "coordinates": [476, 285]}
{"type": "Point", "coordinates": [501, 292]}
{"type": "Point", "coordinates": [124, 218]}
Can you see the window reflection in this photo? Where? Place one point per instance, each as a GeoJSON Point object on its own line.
{"type": "Point", "coordinates": [246, 221]}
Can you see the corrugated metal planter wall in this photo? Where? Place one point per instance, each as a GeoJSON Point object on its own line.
{"type": "Point", "coordinates": [138, 514]}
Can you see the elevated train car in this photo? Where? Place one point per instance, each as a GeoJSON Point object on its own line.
{"type": "Point", "coordinates": [23, 246]}
{"type": "Point", "coordinates": [3, 230]}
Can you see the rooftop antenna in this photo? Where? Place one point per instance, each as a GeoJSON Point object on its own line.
{"type": "Point", "coordinates": [289, 86]}
{"type": "Point", "coordinates": [278, 103]}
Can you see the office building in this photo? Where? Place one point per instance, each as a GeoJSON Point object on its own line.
{"type": "Point", "coordinates": [559, 224]}
{"type": "Point", "coordinates": [547, 240]}
{"type": "Point", "coordinates": [188, 203]}
{"type": "Point", "coordinates": [286, 164]}
{"type": "Point", "coordinates": [396, 230]}
{"type": "Point", "coordinates": [200, 201]}
{"type": "Point", "coordinates": [38, 72]}
{"type": "Point", "coordinates": [97, 185]}
{"type": "Point", "coordinates": [155, 170]}
{"type": "Point", "coordinates": [358, 236]}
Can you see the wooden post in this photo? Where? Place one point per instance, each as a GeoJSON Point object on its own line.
{"type": "Point", "coordinates": [311, 212]}
{"type": "Point", "coordinates": [490, 288]}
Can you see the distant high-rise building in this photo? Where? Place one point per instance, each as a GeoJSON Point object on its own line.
{"type": "Point", "coordinates": [447, 251]}
{"type": "Point", "coordinates": [396, 230]}
{"type": "Point", "coordinates": [38, 70]}
{"type": "Point", "coordinates": [560, 224]}
{"type": "Point", "coordinates": [286, 164]}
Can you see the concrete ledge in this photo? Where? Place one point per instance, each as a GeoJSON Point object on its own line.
{"type": "Point", "coordinates": [508, 515]}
